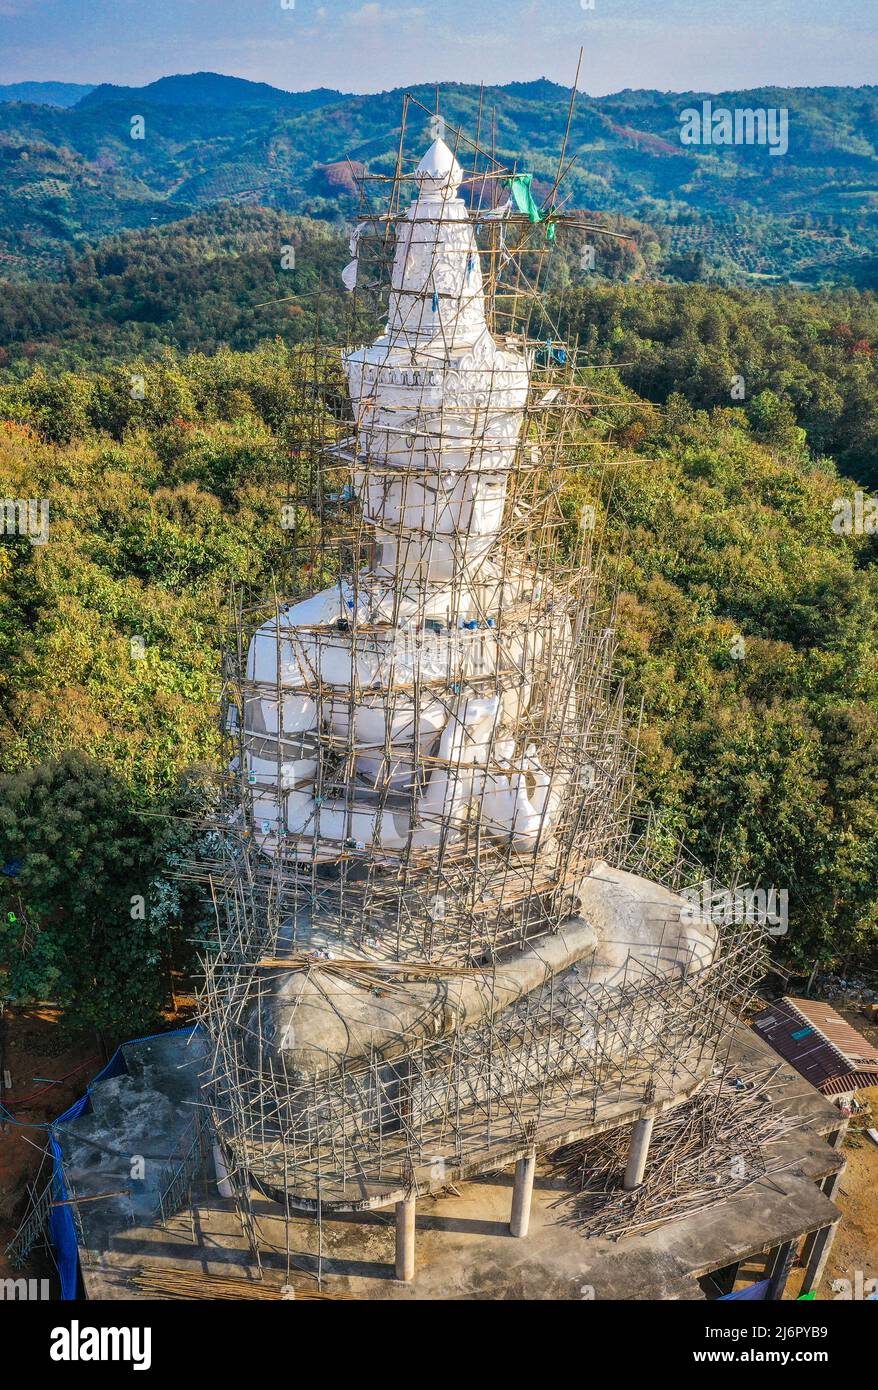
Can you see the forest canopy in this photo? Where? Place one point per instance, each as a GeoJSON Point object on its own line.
{"type": "Point", "coordinates": [749, 624]}
{"type": "Point", "coordinates": [151, 396]}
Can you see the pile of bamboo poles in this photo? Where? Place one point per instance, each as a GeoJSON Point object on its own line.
{"type": "Point", "coordinates": [185, 1284]}
{"type": "Point", "coordinates": [704, 1151]}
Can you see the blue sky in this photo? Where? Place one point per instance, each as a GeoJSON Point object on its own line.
{"type": "Point", "coordinates": [369, 45]}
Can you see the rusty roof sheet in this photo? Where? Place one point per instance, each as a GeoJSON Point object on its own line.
{"type": "Point", "coordinates": [814, 1042]}
{"type": "Point", "coordinates": [851, 1044]}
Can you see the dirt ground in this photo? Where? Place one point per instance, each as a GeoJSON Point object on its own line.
{"type": "Point", "coordinates": [856, 1243]}
{"type": "Point", "coordinates": [47, 1077]}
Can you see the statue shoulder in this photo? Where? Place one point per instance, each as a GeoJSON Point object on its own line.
{"type": "Point", "coordinates": [289, 627]}
{"type": "Point", "coordinates": [326, 607]}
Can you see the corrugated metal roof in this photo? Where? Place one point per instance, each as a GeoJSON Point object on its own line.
{"type": "Point", "coordinates": [849, 1081]}
{"type": "Point", "coordinates": [849, 1042]}
{"type": "Point", "coordinates": [815, 1039]}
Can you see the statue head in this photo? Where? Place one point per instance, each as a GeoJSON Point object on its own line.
{"type": "Point", "coordinates": [438, 175]}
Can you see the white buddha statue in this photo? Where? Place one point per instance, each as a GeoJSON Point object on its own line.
{"type": "Point", "coordinates": [418, 666]}
{"type": "Point", "coordinates": [427, 701]}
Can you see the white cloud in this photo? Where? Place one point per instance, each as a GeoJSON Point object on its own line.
{"type": "Point", "coordinates": [368, 14]}
{"type": "Point", "coordinates": [374, 13]}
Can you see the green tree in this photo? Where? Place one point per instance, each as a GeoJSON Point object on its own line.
{"type": "Point", "coordinates": [81, 877]}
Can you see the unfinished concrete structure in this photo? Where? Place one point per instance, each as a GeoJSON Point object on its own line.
{"type": "Point", "coordinates": [431, 958]}
{"type": "Point", "coordinates": [178, 1233]}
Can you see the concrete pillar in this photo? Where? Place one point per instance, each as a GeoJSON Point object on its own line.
{"type": "Point", "coordinates": [638, 1154]}
{"type": "Point", "coordinates": [223, 1182]}
{"type": "Point", "coordinates": [780, 1262]}
{"type": "Point", "coordinates": [828, 1186]}
{"type": "Point", "coordinates": [808, 1246]}
{"type": "Point", "coordinates": [837, 1137]}
{"type": "Point", "coordinates": [819, 1255]}
{"type": "Point", "coordinates": [405, 1239]}
{"type": "Point", "coordinates": [522, 1193]}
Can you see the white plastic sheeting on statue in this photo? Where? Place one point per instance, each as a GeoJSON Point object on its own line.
{"type": "Point", "coordinates": [438, 409]}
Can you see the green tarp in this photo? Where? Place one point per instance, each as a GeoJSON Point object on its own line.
{"type": "Point", "coordinates": [523, 198]}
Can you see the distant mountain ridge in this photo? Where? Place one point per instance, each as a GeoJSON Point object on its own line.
{"type": "Point", "coordinates": [735, 213]}
{"type": "Point", "coordinates": [46, 93]}
{"type": "Point", "coordinates": [209, 89]}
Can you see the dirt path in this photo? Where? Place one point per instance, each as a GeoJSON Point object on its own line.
{"type": "Point", "coordinates": [856, 1243]}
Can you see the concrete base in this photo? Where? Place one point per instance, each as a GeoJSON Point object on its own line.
{"type": "Point", "coordinates": [464, 1249]}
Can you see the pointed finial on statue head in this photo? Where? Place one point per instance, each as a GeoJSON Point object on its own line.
{"type": "Point", "coordinates": [439, 175]}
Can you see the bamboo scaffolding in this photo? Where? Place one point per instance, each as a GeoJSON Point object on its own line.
{"type": "Point", "coordinates": [710, 1149]}
{"type": "Point", "coordinates": [541, 608]}
{"type": "Point", "coordinates": [184, 1284]}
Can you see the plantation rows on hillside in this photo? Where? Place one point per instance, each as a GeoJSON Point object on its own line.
{"type": "Point", "coordinates": [71, 176]}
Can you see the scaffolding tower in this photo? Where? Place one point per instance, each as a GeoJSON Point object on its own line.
{"type": "Point", "coordinates": [427, 790]}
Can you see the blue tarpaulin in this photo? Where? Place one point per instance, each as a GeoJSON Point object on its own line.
{"type": "Point", "coordinates": [62, 1228]}
{"type": "Point", "coordinates": [62, 1231]}
{"type": "Point", "coordinates": [754, 1291]}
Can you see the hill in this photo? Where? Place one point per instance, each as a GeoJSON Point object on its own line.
{"type": "Point", "coordinates": [214, 279]}
{"type": "Point", "coordinates": [45, 93]}
{"type": "Point", "coordinates": [234, 277]}
{"type": "Point", "coordinates": [748, 641]}
{"type": "Point", "coordinates": [209, 89]}
{"type": "Point", "coordinates": [217, 278]}
{"type": "Point", "coordinates": [731, 213]}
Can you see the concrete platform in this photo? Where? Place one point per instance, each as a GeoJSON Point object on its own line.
{"type": "Point", "coordinates": [135, 1127]}
{"type": "Point", "coordinates": [464, 1248]}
